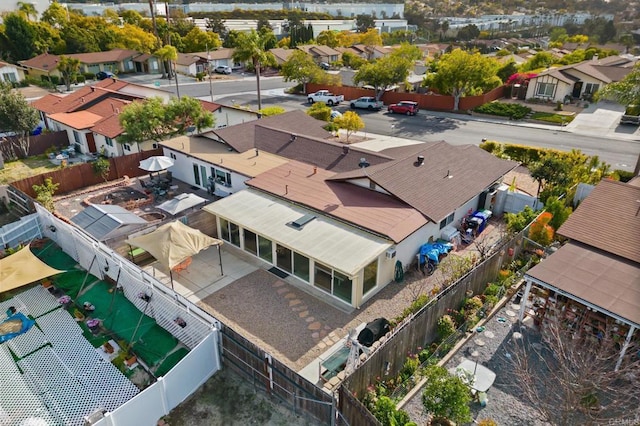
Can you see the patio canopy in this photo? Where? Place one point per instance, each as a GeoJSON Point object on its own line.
{"type": "Point", "coordinates": [173, 243]}
{"type": "Point", "coordinates": [181, 203]}
{"type": "Point", "coordinates": [22, 268]}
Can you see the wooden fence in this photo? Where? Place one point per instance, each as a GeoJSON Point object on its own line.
{"type": "Point", "coordinates": [429, 102]}
{"type": "Point", "coordinates": [354, 412]}
{"type": "Point", "coordinates": [421, 329]}
{"type": "Point", "coordinates": [37, 145]}
{"type": "Point", "coordinates": [83, 175]}
{"type": "Point", "coordinates": [276, 379]}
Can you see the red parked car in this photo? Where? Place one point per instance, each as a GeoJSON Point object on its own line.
{"type": "Point", "coordinates": [404, 107]}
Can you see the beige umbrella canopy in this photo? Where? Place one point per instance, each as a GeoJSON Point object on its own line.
{"type": "Point", "coordinates": [173, 243]}
{"type": "Point", "coordinates": [22, 268]}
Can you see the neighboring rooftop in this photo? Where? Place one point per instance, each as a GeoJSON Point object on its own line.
{"type": "Point", "coordinates": [246, 163]}
{"type": "Point", "coordinates": [608, 220]}
{"type": "Point", "coordinates": [243, 136]}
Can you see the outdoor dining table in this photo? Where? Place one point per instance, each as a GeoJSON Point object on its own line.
{"type": "Point", "coordinates": [483, 377]}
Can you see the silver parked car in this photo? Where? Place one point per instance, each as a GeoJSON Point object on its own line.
{"type": "Point", "coordinates": [223, 69]}
{"type": "Point", "coordinates": [367, 102]}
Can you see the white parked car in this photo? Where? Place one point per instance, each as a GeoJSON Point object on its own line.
{"type": "Point", "coordinates": [367, 102]}
{"type": "Point", "coordinates": [223, 69]}
{"type": "Point", "coordinates": [335, 114]}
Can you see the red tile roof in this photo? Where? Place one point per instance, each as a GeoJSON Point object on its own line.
{"type": "Point", "coordinates": [377, 212]}
{"type": "Point", "coordinates": [608, 220]}
{"type": "Point", "coordinates": [448, 178]}
{"type": "Point", "coordinates": [81, 98]}
{"type": "Point", "coordinates": [79, 120]}
{"type": "Point", "coordinates": [109, 109]}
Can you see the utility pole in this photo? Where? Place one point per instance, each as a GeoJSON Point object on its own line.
{"type": "Point", "coordinates": [209, 72]}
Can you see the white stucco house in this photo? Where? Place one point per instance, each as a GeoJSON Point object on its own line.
{"type": "Point", "coordinates": [10, 73]}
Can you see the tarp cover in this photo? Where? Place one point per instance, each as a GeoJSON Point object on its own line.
{"type": "Point", "coordinates": [173, 243]}
{"type": "Point", "coordinates": [373, 331]}
{"type": "Point", "coordinates": [180, 203]}
{"type": "Point", "coordinates": [22, 268]}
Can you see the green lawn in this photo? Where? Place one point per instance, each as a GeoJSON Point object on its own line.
{"type": "Point", "coordinates": [20, 169]}
{"type": "Point", "coordinates": [550, 117]}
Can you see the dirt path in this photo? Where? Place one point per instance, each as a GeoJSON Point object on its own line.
{"type": "Point", "coordinates": [225, 399]}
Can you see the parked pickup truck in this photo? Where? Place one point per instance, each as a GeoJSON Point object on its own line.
{"type": "Point", "coordinates": [326, 97]}
{"type": "Point", "coordinates": [631, 115]}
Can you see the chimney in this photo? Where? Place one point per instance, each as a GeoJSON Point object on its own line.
{"type": "Point", "coordinates": [420, 161]}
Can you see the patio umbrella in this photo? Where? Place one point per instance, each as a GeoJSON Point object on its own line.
{"type": "Point", "coordinates": [156, 163]}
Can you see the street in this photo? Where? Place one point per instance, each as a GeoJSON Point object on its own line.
{"type": "Point", "coordinates": [458, 129]}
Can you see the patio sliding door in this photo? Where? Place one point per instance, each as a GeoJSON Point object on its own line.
{"type": "Point", "coordinates": [283, 258]}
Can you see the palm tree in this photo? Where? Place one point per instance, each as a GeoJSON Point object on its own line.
{"type": "Point", "coordinates": [28, 10]}
{"type": "Point", "coordinates": [252, 47]}
{"type": "Point", "coordinates": [69, 68]}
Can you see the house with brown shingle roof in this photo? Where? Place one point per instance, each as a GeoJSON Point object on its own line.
{"type": "Point", "coordinates": [593, 281]}
{"type": "Point", "coordinates": [281, 55]}
{"type": "Point", "coordinates": [578, 81]}
{"type": "Point", "coordinates": [115, 60]}
{"type": "Point", "coordinates": [335, 217]}
{"type": "Point", "coordinates": [320, 53]}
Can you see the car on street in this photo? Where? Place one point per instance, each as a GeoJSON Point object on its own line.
{"type": "Point", "coordinates": [223, 69]}
{"type": "Point", "coordinates": [101, 75]}
{"type": "Point", "coordinates": [335, 114]}
{"type": "Point", "coordinates": [325, 66]}
{"type": "Point", "coordinates": [404, 107]}
{"type": "Point", "coordinates": [367, 102]}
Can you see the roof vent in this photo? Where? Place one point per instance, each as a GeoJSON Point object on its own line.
{"type": "Point", "coordinates": [293, 137]}
{"type": "Point", "coordinates": [363, 163]}
{"type": "Point", "coordinates": [345, 149]}
{"type": "Point", "coordinates": [300, 223]}
{"type": "Point", "coordinates": [420, 161]}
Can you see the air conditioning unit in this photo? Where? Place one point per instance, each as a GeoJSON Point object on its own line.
{"type": "Point", "coordinates": [391, 253]}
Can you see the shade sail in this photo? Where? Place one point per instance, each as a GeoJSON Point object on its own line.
{"type": "Point", "coordinates": [156, 163]}
{"type": "Point", "coordinates": [173, 243]}
{"type": "Point", "coordinates": [181, 203]}
{"type": "Point", "coordinates": [22, 268]}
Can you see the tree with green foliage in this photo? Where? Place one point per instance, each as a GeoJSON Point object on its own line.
{"type": "Point", "coordinates": [21, 35]}
{"type": "Point", "coordinates": [625, 91]}
{"type": "Point", "coordinates": [216, 25]}
{"type": "Point", "coordinates": [468, 32]}
{"type": "Point", "coordinates": [386, 412]}
{"type": "Point", "coordinates": [197, 40]}
{"type": "Point", "coordinates": [143, 121]}
{"type": "Point", "coordinates": [16, 115]}
{"type": "Point", "coordinates": [44, 193]}
{"type": "Point", "coordinates": [364, 22]}
{"type": "Point", "coordinates": [559, 210]}
{"type": "Point", "coordinates": [319, 111]}
{"type": "Point", "coordinates": [69, 68]}
{"type": "Point", "coordinates": [102, 167]}
{"type": "Point", "coordinates": [539, 61]}
{"type": "Point", "coordinates": [166, 54]}
{"type": "Point", "coordinates": [251, 48]}
{"type": "Point", "coordinates": [350, 122]}
{"type": "Point", "coordinates": [516, 222]}
{"type": "Point", "coordinates": [353, 61]}
{"type": "Point", "coordinates": [300, 67]}
{"type": "Point", "coordinates": [389, 70]}
{"type": "Point", "coordinates": [55, 15]}
{"type": "Point", "coordinates": [446, 396]}
{"type": "Point", "coordinates": [461, 73]}
{"type": "Point", "coordinates": [507, 70]}
{"type": "Point", "coordinates": [185, 113]}
{"type": "Point", "coordinates": [327, 38]}
{"type": "Point", "coordinates": [28, 10]}
{"type": "Point", "coordinates": [551, 171]}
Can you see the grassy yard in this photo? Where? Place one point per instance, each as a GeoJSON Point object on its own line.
{"type": "Point", "coordinates": [20, 169]}
{"type": "Point", "coordinates": [550, 117]}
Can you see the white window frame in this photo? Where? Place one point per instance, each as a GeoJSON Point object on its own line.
{"type": "Point", "coordinates": [108, 141]}
{"type": "Point", "coordinates": [126, 147]}
{"type": "Point", "coordinates": [543, 93]}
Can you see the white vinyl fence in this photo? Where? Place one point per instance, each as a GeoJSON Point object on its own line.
{"type": "Point", "coordinates": [201, 336]}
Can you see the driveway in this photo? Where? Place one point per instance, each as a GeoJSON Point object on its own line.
{"type": "Point", "coordinates": [603, 119]}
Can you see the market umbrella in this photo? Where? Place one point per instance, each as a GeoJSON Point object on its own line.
{"type": "Point", "coordinates": [156, 163]}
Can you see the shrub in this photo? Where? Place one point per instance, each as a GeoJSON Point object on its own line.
{"type": "Point", "coordinates": [409, 368]}
{"type": "Point", "coordinates": [492, 290]}
{"type": "Point", "coordinates": [492, 147]}
{"type": "Point", "coordinates": [491, 301]}
{"type": "Point", "coordinates": [424, 355]}
{"type": "Point", "coordinates": [540, 231]}
{"type": "Point", "coordinates": [516, 222]}
{"type": "Point", "coordinates": [387, 413]}
{"type": "Point", "coordinates": [446, 327]}
{"type": "Point", "coordinates": [446, 396]}
{"type": "Point", "coordinates": [473, 304]}
{"type": "Point", "coordinates": [272, 110]}
{"type": "Point", "coordinates": [89, 76]}
{"type": "Point", "coordinates": [200, 76]}
{"type": "Point", "coordinates": [503, 109]}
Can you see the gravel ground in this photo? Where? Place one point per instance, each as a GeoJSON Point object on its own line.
{"type": "Point", "coordinates": [494, 352]}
